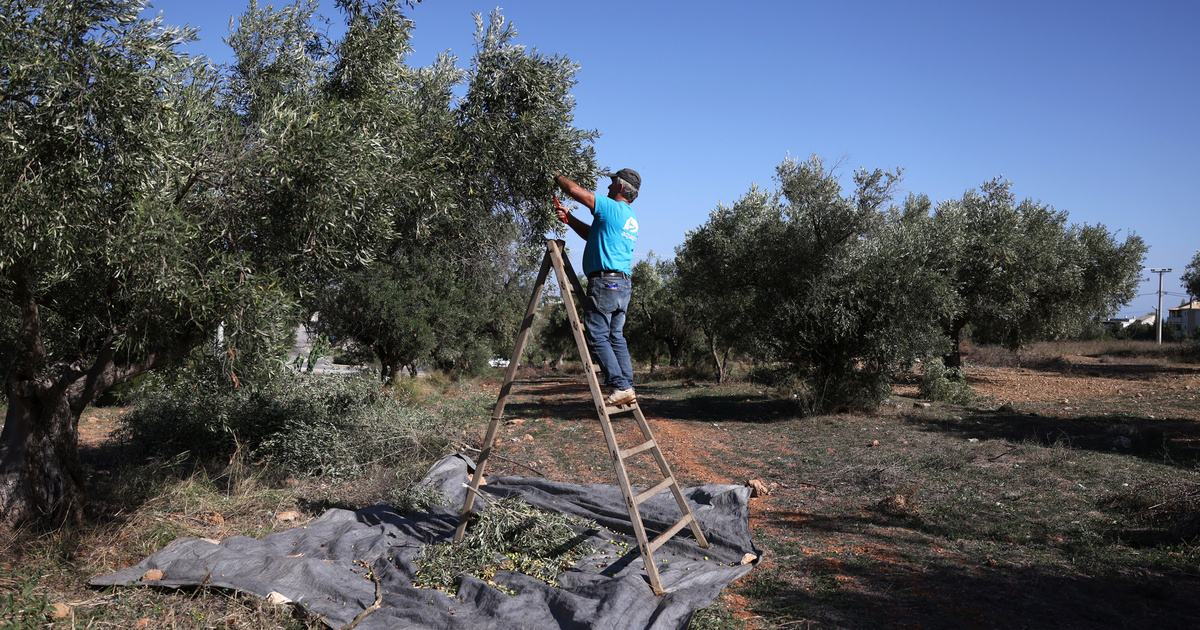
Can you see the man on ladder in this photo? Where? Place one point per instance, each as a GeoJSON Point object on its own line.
{"type": "Point", "coordinates": [606, 261]}
{"type": "Point", "coordinates": [610, 239]}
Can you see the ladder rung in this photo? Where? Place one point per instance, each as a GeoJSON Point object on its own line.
{"type": "Point", "coordinates": [622, 409]}
{"type": "Point", "coordinates": [665, 536]}
{"type": "Point", "coordinates": [630, 452]}
{"type": "Point", "coordinates": [659, 487]}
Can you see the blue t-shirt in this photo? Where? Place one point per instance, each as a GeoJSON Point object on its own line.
{"type": "Point", "coordinates": [611, 237]}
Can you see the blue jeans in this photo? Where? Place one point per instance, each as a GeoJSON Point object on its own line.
{"type": "Point", "coordinates": [604, 317]}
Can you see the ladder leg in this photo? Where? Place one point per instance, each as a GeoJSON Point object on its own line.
{"type": "Point", "coordinates": [631, 504]}
{"type": "Point", "coordinates": [569, 284]}
{"type": "Point", "coordinates": [667, 474]}
{"type": "Point", "coordinates": [510, 375]}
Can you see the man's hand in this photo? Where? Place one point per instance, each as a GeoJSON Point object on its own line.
{"type": "Point", "coordinates": [563, 213]}
{"type": "Point", "coordinates": [575, 191]}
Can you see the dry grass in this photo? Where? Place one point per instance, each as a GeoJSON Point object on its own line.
{"type": "Point", "coordinates": [137, 508]}
{"type": "Point", "coordinates": [1053, 355]}
{"type": "Point", "coordinates": [144, 509]}
{"type": "Point", "coordinates": [1168, 503]}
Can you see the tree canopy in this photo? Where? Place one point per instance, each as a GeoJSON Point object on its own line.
{"type": "Point", "coordinates": [1020, 272]}
{"type": "Point", "coordinates": [449, 288]}
{"type": "Point", "coordinates": [151, 198]}
{"type": "Point", "coordinates": [844, 290]}
{"type": "Point", "coordinates": [830, 285]}
{"type": "Point", "coordinates": [658, 314]}
{"type": "Point", "coordinates": [1191, 277]}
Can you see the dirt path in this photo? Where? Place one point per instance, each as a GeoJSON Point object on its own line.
{"type": "Point", "coordinates": [96, 425]}
{"type": "Point", "coordinates": [1079, 377]}
{"type": "Point", "coordinates": [556, 414]}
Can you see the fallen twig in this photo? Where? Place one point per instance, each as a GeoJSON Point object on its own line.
{"type": "Point", "coordinates": [992, 459]}
{"type": "Point", "coordinates": [507, 459]}
{"type": "Point", "coordinates": [370, 609]}
{"type": "Point", "coordinates": [95, 601]}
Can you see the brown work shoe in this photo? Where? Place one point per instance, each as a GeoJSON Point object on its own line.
{"type": "Point", "coordinates": [620, 397]}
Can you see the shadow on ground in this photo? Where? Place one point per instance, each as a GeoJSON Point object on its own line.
{"type": "Point", "coordinates": [568, 398]}
{"type": "Point", "coordinates": [1120, 371]}
{"type": "Point", "coordinates": [860, 590]}
{"type": "Point", "coordinates": [1174, 441]}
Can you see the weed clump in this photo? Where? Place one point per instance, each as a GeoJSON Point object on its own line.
{"type": "Point", "coordinates": [301, 424]}
{"type": "Point", "coordinates": [943, 384]}
{"type": "Point", "coordinates": [510, 535]}
{"type": "Point", "coordinates": [1173, 505]}
{"type": "Point", "coordinates": [22, 606]}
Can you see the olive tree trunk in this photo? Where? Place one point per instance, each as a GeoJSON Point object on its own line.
{"type": "Point", "coordinates": [954, 358]}
{"type": "Point", "coordinates": [41, 476]}
{"type": "Point", "coordinates": [720, 357]}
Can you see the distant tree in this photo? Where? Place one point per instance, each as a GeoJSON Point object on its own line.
{"type": "Point", "coordinates": [1191, 277]}
{"type": "Point", "coordinates": [148, 200]}
{"type": "Point", "coordinates": [395, 309]}
{"type": "Point", "coordinates": [551, 336]}
{"type": "Point", "coordinates": [715, 266]}
{"type": "Point", "coordinates": [657, 315]}
{"type": "Point", "coordinates": [833, 286]}
{"type": "Point", "coordinates": [1021, 273]}
{"type": "Point", "coordinates": [1146, 332]}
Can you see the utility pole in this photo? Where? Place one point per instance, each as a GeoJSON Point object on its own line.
{"type": "Point", "coordinates": [1158, 314]}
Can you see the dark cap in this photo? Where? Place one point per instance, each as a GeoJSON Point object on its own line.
{"type": "Point", "coordinates": [628, 175]}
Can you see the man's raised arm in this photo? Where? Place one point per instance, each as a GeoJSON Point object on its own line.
{"type": "Point", "coordinates": [578, 193]}
{"type": "Point", "coordinates": [575, 191]}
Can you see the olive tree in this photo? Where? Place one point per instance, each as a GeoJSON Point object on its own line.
{"type": "Point", "coordinates": [845, 299]}
{"type": "Point", "coordinates": [1020, 272]}
{"type": "Point", "coordinates": [1191, 277]}
{"type": "Point", "coordinates": [715, 266]}
{"type": "Point", "coordinates": [149, 199]}
{"type": "Point", "coordinates": [832, 286]}
{"type": "Point", "coordinates": [450, 288]}
{"type": "Point", "coordinates": [657, 315]}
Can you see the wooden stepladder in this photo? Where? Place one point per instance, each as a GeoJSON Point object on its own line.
{"type": "Point", "coordinates": [569, 283]}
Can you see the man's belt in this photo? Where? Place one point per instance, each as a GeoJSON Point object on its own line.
{"type": "Point", "coordinates": [608, 274]}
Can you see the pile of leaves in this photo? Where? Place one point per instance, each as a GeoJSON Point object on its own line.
{"type": "Point", "coordinates": [510, 535]}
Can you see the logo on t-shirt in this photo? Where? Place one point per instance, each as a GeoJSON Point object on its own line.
{"type": "Point", "coordinates": [630, 231]}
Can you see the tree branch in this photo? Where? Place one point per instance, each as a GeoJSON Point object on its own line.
{"type": "Point", "coordinates": [31, 323]}
{"type": "Point", "coordinates": [105, 374]}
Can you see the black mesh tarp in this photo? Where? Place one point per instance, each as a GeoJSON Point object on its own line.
{"type": "Point", "coordinates": [324, 565]}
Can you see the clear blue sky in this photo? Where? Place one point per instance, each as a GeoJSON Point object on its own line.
{"type": "Point", "coordinates": [1089, 106]}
